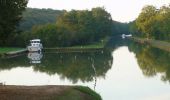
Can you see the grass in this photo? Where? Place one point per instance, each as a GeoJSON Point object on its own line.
{"type": "Point", "coordinates": [95, 45]}
{"type": "Point", "coordinates": [154, 43]}
{"type": "Point", "coordinates": [88, 91]}
{"type": "Point", "coordinates": [100, 44]}
{"type": "Point", "coordinates": [9, 49]}
{"type": "Point", "coordinates": [69, 94]}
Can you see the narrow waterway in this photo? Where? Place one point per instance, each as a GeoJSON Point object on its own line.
{"type": "Point", "coordinates": [128, 71]}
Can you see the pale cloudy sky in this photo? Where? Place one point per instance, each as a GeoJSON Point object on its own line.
{"type": "Point", "coordinates": [121, 10]}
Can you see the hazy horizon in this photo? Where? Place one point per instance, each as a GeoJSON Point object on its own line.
{"type": "Point", "coordinates": [122, 11]}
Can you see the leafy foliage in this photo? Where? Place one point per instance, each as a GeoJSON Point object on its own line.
{"type": "Point", "coordinates": [153, 23]}
{"type": "Point", "coordinates": [62, 28]}
{"type": "Point", "coordinates": [10, 15]}
{"type": "Point", "coordinates": [34, 16]}
{"type": "Point", "coordinates": [74, 28]}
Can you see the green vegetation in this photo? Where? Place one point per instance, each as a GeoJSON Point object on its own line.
{"type": "Point", "coordinates": [88, 91]}
{"type": "Point", "coordinates": [77, 27]}
{"type": "Point", "coordinates": [79, 93]}
{"type": "Point", "coordinates": [74, 66]}
{"type": "Point", "coordinates": [153, 23]}
{"type": "Point", "coordinates": [152, 61]}
{"type": "Point", "coordinates": [7, 49]}
{"type": "Point", "coordinates": [96, 45]}
{"type": "Point", "coordinates": [119, 28]}
{"type": "Point", "coordinates": [10, 15]}
{"type": "Point", "coordinates": [155, 43]}
{"type": "Point", "coordinates": [33, 17]}
{"type": "Point", "coordinates": [61, 28]}
{"type": "Point", "coordinates": [69, 94]}
{"type": "Point", "coordinates": [100, 44]}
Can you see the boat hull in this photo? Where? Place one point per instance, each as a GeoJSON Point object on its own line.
{"type": "Point", "coordinates": [34, 49]}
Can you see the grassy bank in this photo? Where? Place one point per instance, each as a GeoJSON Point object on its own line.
{"type": "Point", "coordinates": [47, 93]}
{"type": "Point", "coordinates": [88, 46]}
{"type": "Point", "coordinates": [93, 47]}
{"type": "Point", "coordinates": [9, 49]}
{"type": "Point", "coordinates": [88, 91]}
{"type": "Point", "coordinates": [99, 44]}
{"type": "Point", "coordinates": [155, 43]}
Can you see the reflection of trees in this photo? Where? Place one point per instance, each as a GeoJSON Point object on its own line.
{"type": "Point", "coordinates": [152, 61]}
{"type": "Point", "coordinates": [76, 66]}
{"type": "Point", "coordinates": [115, 42]}
{"type": "Point", "coordinates": [9, 63]}
{"type": "Point", "coordinates": [73, 66]}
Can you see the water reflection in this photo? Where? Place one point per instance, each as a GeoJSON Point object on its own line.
{"type": "Point", "coordinates": [127, 75]}
{"type": "Point", "coordinates": [18, 61]}
{"type": "Point", "coordinates": [83, 66]}
{"type": "Point", "coordinates": [88, 66]}
{"type": "Point", "coordinates": [76, 66]}
{"type": "Point", "coordinates": [35, 57]}
{"type": "Point", "coordinates": [152, 61]}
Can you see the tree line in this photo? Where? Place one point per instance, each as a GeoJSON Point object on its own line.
{"type": "Point", "coordinates": [35, 16]}
{"type": "Point", "coordinates": [19, 24]}
{"type": "Point", "coordinates": [76, 27]}
{"type": "Point", "coordinates": [10, 16]}
{"type": "Point", "coordinates": [153, 23]}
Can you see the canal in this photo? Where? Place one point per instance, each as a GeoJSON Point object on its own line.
{"type": "Point", "coordinates": [123, 71]}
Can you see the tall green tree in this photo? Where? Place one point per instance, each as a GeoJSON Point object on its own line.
{"type": "Point", "coordinates": [146, 19]}
{"type": "Point", "coordinates": [86, 26]}
{"type": "Point", "coordinates": [10, 15]}
{"type": "Point", "coordinates": [154, 23]}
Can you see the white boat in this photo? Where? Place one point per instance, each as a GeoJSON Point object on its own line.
{"type": "Point", "coordinates": [35, 45]}
{"type": "Point", "coordinates": [124, 35]}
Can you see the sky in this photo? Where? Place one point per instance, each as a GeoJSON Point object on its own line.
{"type": "Point", "coordinates": [120, 10]}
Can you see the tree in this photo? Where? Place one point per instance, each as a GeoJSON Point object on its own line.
{"type": "Point", "coordinates": [146, 19]}
{"type": "Point", "coordinates": [86, 26]}
{"type": "Point", "coordinates": [10, 15]}
{"type": "Point", "coordinates": [34, 16]}
{"type": "Point", "coordinates": [103, 21]}
{"type": "Point", "coordinates": [154, 23]}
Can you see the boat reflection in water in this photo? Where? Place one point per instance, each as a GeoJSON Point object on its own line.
{"type": "Point", "coordinates": [35, 57]}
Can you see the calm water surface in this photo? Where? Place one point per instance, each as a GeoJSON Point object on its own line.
{"type": "Point", "coordinates": [123, 72]}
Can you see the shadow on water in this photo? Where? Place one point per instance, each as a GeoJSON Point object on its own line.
{"type": "Point", "coordinates": [116, 42]}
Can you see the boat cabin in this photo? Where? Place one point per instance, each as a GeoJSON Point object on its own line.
{"type": "Point", "coordinates": [35, 45]}
{"type": "Point", "coordinates": [35, 42]}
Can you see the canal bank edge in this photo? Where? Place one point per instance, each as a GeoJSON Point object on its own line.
{"type": "Point", "coordinates": [62, 50]}
{"type": "Point", "coordinates": [13, 53]}
{"type": "Point", "coordinates": [154, 43]}
{"type": "Point", "coordinates": [48, 92]}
